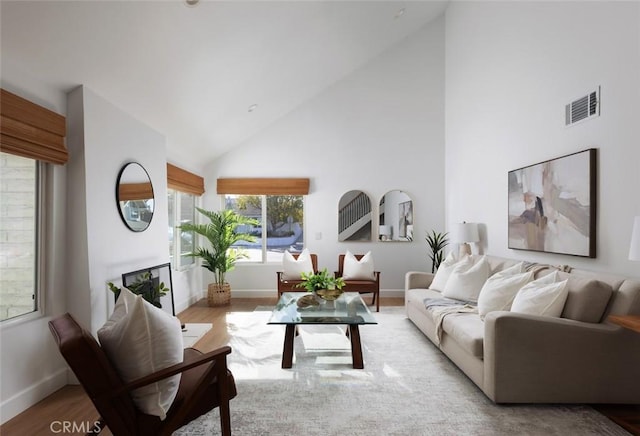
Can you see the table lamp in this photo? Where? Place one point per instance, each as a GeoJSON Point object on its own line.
{"type": "Point", "coordinates": [384, 232]}
{"type": "Point", "coordinates": [464, 233]}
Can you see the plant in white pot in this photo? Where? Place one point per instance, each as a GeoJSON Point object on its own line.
{"type": "Point", "coordinates": [221, 256]}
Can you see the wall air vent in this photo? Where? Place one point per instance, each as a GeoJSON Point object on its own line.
{"type": "Point", "coordinates": [583, 108]}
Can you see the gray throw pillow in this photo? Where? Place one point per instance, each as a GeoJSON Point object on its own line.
{"type": "Point", "coordinates": [587, 299]}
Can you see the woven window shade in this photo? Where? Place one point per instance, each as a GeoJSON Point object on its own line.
{"type": "Point", "coordinates": [135, 191]}
{"type": "Point", "coordinates": [263, 186]}
{"type": "Point", "coordinates": [184, 181]}
{"type": "Point", "coordinates": [31, 131]}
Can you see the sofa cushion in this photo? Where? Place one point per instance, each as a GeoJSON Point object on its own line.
{"type": "Point", "coordinates": [293, 268]}
{"type": "Point", "coordinates": [500, 289]}
{"type": "Point", "coordinates": [465, 281]}
{"type": "Point", "coordinates": [545, 297]}
{"type": "Point", "coordinates": [587, 298]}
{"type": "Point", "coordinates": [467, 329]}
{"type": "Point", "coordinates": [446, 268]}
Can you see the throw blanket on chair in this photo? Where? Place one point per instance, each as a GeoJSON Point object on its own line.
{"type": "Point", "coordinates": [441, 307]}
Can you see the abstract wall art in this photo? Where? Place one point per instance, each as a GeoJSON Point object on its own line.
{"type": "Point", "coordinates": [552, 205]}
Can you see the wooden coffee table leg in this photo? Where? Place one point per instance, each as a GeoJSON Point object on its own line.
{"type": "Point", "coordinates": [356, 346]}
{"type": "Point", "coordinates": [287, 351]}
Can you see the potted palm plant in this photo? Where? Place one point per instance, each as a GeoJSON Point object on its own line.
{"type": "Point", "coordinates": [221, 256]}
{"type": "Point", "coordinates": [436, 242]}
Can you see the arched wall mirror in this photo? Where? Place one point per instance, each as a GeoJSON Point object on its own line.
{"type": "Point", "coordinates": [396, 217]}
{"type": "Point", "coordinates": [354, 217]}
{"type": "Point", "coordinates": [134, 195]}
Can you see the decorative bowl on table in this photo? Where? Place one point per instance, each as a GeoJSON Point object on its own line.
{"type": "Point", "coordinates": [329, 294]}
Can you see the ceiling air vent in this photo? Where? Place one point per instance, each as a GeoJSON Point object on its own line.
{"type": "Point", "coordinates": [583, 108]}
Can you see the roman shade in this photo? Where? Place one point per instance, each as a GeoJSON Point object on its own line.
{"type": "Point", "coordinates": [30, 130]}
{"type": "Point", "coordinates": [184, 181]}
{"type": "Point", "coordinates": [135, 191]}
{"type": "Point", "coordinates": [263, 186]}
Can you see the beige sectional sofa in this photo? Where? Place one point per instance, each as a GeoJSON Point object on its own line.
{"type": "Point", "coordinates": [520, 358]}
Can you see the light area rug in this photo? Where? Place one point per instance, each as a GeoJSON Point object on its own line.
{"type": "Point", "coordinates": [407, 387]}
{"type": "Point", "coordinates": [192, 332]}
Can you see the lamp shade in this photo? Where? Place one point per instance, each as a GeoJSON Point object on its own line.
{"type": "Point", "coordinates": [466, 232]}
{"type": "Point", "coordinates": [384, 230]}
{"type": "Point", "coordinates": [634, 250]}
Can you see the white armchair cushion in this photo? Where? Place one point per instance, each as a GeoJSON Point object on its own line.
{"type": "Point", "coordinates": [466, 281]}
{"type": "Point", "coordinates": [292, 268]}
{"type": "Point", "coordinates": [354, 269]}
{"type": "Point", "coordinates": [140, 339]}
{"type": "Point", "coordinates": [545, 297]}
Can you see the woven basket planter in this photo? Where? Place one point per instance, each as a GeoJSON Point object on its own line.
{"type": "Point", "coordinates": [218, 295]}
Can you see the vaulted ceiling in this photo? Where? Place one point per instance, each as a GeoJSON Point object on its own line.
{"type": "Point", "coordinates": [194, 73]}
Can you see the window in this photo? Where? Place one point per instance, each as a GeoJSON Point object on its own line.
{"type": "Point", "coordinates": [19, 235]}
{"type": "Point", "coordinates": [281, 217]}
{"type": "Point", "coordinates": [181, 211]}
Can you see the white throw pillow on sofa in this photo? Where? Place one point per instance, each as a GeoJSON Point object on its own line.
{"type": "Point", "coordinates": [545, 297]}
{"type": "Point", "coordinates": [292, 267]}
{"type": "Point", "coordinates": [140, 339]}
{"type": "Point", "coordinates": [466, 281]}
{"type": "Point", "coordinates": [354, 269]}
{"type": "Point", "coordinates": [445, 269]}
{"type": "Point", "coordinates": [500, 289]}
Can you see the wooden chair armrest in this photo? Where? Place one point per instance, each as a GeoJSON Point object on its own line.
{"type": "Point", "coordinates": [219, 355]}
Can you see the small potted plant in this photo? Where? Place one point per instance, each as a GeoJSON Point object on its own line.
{"type": "Point", "coordinates": [436, 242]}
{"type": "Point", "coordinates": [327, 287]}
{"type": "Point", "coordinates": [221, 257]}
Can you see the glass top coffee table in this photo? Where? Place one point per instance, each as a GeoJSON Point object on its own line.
{"type": "Point", "coordinates": [348, 309]}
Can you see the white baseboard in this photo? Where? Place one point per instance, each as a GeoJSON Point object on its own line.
{"type": "Point", "coordinates": [30, 396]}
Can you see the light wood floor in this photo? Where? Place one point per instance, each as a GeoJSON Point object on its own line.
{"type": "Point", "coordinates": [70, 404]}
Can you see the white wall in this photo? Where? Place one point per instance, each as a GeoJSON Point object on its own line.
{"type": "Point", "coordinates": [378, 129]}
{"type": "Point", "coordinates": [30, 365]}
{"type": "Point", "coordinates": [510, 70]}
{"type": "Point", "coordinates": [109, 139]}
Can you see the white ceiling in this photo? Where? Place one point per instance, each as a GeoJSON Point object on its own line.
{"type": "Point", "coordinates": [191, 73]}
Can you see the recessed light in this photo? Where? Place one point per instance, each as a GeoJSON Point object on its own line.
{"type": "Point", "coordinates": [253, 107]}
{"type": "Point", "coordinates": [191, 3]}
{"type": "Point", "coordinates": [399, 13]}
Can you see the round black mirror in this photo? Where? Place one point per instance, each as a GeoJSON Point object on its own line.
{"type": "Point", "coordinates": [134, 195]}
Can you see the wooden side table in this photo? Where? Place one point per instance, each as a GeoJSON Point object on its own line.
{"type": "Point", "coordinates": [631, 322]}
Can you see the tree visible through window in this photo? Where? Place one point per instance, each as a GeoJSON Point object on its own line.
{"type": "Point", "coordinates": [281, 218]}
{"type": "Point", "coordinates": [19, 189]}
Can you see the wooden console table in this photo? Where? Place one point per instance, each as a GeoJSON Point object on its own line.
{"type": "Point", "coordinates": [631, 322]}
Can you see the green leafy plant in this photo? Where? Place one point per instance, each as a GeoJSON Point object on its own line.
{"type": "Point", "coordinates": [321, 280]}
{"type": "Point", "coordinates": [147, 286]}
{"type": "Point", "coordinates": [221, 234]}
{"type": "Point", "coordinates": [437, 242]}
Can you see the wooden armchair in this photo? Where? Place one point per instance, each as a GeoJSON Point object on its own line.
{"type": "Point", "coordinates": [289, 285]}
{"type": "Point", "coordinates": [205, 383]}
{"type": "Point", "coordinates": [361, 286]}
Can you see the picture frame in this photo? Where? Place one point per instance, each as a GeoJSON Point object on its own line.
{"type": "Point", "coordinates": [552, 205]}
{"type": "Point", "coordinates": [405, 220]}
{"type": "Point", "coordinates": [150, 282]}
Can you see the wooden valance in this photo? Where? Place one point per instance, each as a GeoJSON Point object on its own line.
{"type": "Point", "coordinates": [135, 191]}
{"type": "Point", "coordinates": [184, 181]}
{"type": "Point", "coordinates": [31, 131]}
{"type": "Point", "coordinates": [263, 186]}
